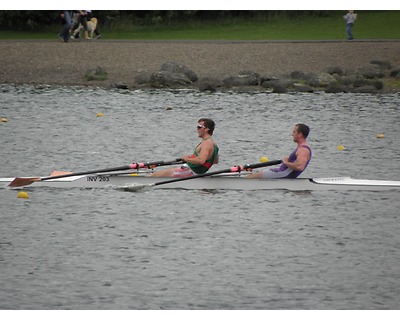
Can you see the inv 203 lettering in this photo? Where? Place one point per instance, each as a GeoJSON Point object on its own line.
{"type": "Point", "coordinates": [97, 178]}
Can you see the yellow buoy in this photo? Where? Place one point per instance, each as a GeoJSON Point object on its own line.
{"type": "Point", "coordinates": [23, 195]}
{"type": "Point", "coordinates": [3, 119]}
{"type": "Point", "coordinates": [380, 135]}
{"type": "Point", "coordinates": [340, 148]}
{"type": "Point", "coordinates": [264, 159]}
{"type": "Point", "coordinates": [100, 114]}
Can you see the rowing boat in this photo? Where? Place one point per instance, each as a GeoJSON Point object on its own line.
{"type": "Point", "coordinates": [129, 181]}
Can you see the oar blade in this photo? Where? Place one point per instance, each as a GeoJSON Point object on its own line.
{"type": "Point", "coordinates": [57, 173]}
{"type": "Point", "coordinates": [21, 182]}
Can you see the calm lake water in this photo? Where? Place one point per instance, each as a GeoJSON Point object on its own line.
{"type": "Point", "coordinates": [176, 249]}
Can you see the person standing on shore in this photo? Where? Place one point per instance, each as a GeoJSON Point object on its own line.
{"type": "Point", "coordinates": [350, 18]}
{"type": "Point", "coordinates": [297, 161]}
{"type": "Point", "coordinates": [203, 157]}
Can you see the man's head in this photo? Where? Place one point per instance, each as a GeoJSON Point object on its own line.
{"type": "Point", "coordinates": [206, 124]}
{"type": "Point", "coordinates": [300, 130]}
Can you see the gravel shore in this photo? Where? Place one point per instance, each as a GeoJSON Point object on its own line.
{"type": "Point", "coordinates": [58, 63]}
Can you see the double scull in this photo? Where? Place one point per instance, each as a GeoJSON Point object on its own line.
{"type": "Point", "coordinates": [232, 181]}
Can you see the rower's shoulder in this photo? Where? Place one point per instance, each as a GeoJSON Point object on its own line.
{"type": "Point", "coordinates": [208, 141]}
{"type": "Point", "coordinates": [210, 144]}
{"type": "Point", "coordinates": [304, 148]}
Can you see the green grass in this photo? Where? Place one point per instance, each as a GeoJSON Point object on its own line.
{"type": "Point", "coordinates": [369, 25]}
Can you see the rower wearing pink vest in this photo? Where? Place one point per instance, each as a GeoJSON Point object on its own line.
{"type": "Point", "coordinates": [293, 165]}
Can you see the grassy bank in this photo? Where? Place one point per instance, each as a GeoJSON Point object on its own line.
{"type": "Point", "coordinates": [369, 25]}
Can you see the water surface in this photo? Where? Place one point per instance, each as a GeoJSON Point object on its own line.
{"type": "Point", "coordinates": [176, 249]}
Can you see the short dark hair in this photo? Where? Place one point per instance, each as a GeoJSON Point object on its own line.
{"type": "Point", "coordinates": [303, 129]}
{"type": "Point", "coordinates": [209, 124]}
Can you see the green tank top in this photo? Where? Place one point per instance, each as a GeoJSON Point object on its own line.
{"type": "Point", "coordinates": [203, 168]}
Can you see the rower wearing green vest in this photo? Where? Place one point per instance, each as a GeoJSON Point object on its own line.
{"type": "Point", "coordinates": [202, 168]}
{"type": "Point", "coordinates": [203, 157]}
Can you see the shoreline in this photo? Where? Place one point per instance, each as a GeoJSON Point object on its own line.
{"type": "Point", "coordinates": [48, 62]}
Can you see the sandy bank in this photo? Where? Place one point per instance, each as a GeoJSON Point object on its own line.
{"type": "Point", "coordinates": [55, 62]}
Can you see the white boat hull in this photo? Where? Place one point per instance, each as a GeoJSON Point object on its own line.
{"type": "Point", "coordinates": [230, 182]}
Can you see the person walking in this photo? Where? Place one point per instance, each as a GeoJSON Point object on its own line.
{"type": "Point", "coordinates": [203, 157]}
{"type": "Point", "coordinates": [82, 19]}
{"type": "Point", "coordinates": [350, 18]}
{"type": "Point", "coordinates": [293, 165]}
{"type": "Point", "coordinates": [67, 23]}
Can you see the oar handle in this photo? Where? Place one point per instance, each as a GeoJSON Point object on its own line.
{"type": "Point", "coordinates": [157, 163]}
{"type": "Point", "coordinates": [262, 164]}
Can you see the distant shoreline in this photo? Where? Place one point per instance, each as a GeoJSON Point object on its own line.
{"type": "Point", "coordinates": [57, 63]}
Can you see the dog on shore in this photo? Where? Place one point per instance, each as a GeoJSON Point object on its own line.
{"type": "Point", "coordinates": [92, 25]}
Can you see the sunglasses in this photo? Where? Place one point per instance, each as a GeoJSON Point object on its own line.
{"type": "Point", "coordinates": [200, 127]}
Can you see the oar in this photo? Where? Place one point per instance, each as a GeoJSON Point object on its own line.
{"type": "Point", "coordinates": [207, 174]}
{"type": "Point", "coordinates": [20, 182]}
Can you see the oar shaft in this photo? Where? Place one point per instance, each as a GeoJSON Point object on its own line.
{"type": "Point", "coordinates": [20, 182]}
{"type": "Point", "coordinates": [233, 169]}
{"type": "Point", "coordinates": [131, 166]}
{"type": "Point", "coordinates": [193, 177]}
{"type": "Point", "coordinates": [121, 168]}
{"type": "Point", "coordinates": [158, 163]}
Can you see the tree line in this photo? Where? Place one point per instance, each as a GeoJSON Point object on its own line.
{"type": "Point", "coordinates": [45, 19]}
